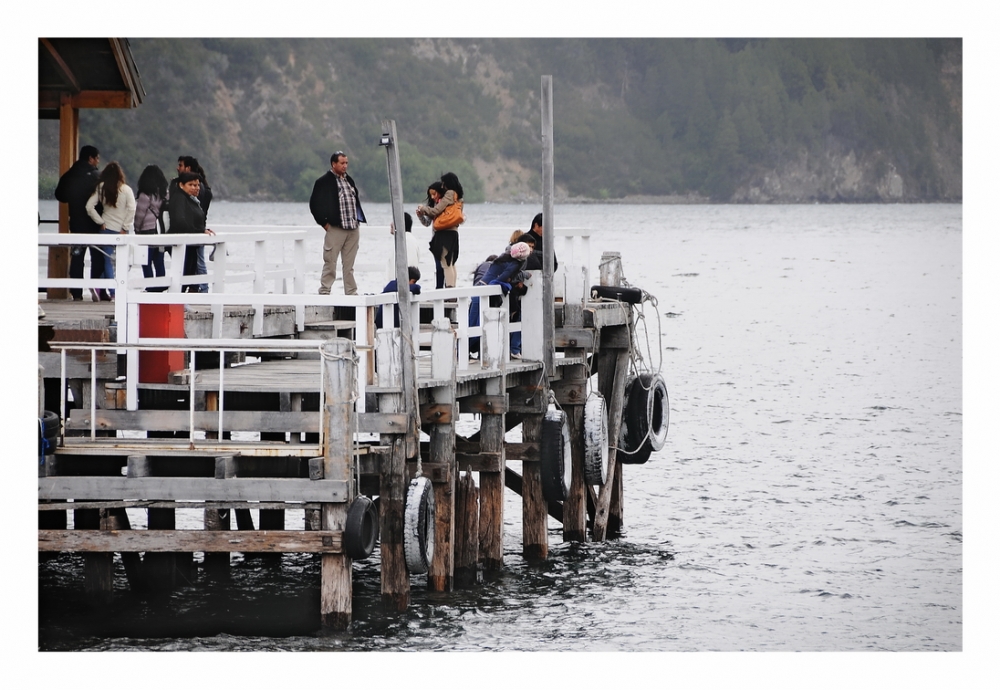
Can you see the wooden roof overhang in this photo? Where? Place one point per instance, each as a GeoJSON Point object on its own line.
{"type": "Point", "coordinates": [75, 73]}
{"type": "Point", "coordinates": [86, 73]}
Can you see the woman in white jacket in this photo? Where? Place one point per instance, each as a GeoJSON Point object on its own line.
{"type": "Point", "coordinates": [116, 214]}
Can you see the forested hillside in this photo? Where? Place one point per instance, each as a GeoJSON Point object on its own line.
{"type": "Point", "coordinates": [759, 120]}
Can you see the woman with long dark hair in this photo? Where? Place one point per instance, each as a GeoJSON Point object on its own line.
{"type": "Point", "coordinates": [446, 215]}
{"type": "Point", "coordinates": [115, 216]}
{"type": "Point", "coordinates": [434, 193]}
{"type": "Point", "coordinates": [149, 207]}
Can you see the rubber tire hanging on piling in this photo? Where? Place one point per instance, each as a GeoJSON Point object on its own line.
{"type": "Point", "coordinates": [418, 526]}
{"type": "Point", "coordinates": [646, 419]}
{"type": "Point", "coordinates": [556, 456]}
{"type": "Point", "coordinates": [595, 440]}
{"type": "Point", "coordinates": [360, 529]}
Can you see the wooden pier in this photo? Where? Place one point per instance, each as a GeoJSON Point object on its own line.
{"type": "Point", "coordinates": [343, 438]}
{"type": "Point", "coordinates": [296, 425]}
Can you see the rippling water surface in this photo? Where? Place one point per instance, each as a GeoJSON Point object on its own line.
{"type": "Point", "coordinates": [808, 498]}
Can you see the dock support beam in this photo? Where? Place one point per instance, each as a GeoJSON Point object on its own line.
{"type": "Point", "coordinates": [491, 494]}
{"type": "Point", "coordinates": [441, 572]}
{"type": "Point", "coordinates": [392, 479]}
{"type": "Point", "coordinates": [466, 531]}
{"type": "Point", "coordinates": [339, 391]}
{"type": "Point", "coordinates": [535, 510]}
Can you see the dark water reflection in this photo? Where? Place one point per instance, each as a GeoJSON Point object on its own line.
{"type": "Point", "coordinates": [274, 604]}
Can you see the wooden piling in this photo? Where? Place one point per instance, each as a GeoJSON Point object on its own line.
{"type": "Point", "coordinates": [534, 512]}
{"type": "Point", "coordinates": [217, 564]}
{"type": "Point", "coordinates": [393, 482]}
{"type": "Point", "coordinates": [340, 421]}
{"type": "Point", "coordinates": [441, 570]}
{"type": "Point", "coordinates": [612, 368]}
{"type": "Point", "coordinates": [466, 531]}
{"type": "Point", "coordinates": [491, 494]}
{"type": "Point", "coordinates": [159, 570]}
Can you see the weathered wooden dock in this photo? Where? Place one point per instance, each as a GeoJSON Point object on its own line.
{"type": "Point", "coordinates": [288, 404]}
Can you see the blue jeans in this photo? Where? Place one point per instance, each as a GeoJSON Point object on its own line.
{"type": "Point", "coordinates": [106, 255]}
{"type": "Point", "coordinates": [154, 266]}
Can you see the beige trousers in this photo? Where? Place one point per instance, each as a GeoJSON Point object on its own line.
{"type": "Point", "coordinates": [342, 243]}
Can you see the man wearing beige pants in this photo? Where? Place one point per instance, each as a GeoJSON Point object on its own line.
{"type": "Point", "coordinates": [336, 208]}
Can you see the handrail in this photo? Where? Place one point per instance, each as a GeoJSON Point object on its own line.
{"type": "Point", "coordinates": [174, 344]}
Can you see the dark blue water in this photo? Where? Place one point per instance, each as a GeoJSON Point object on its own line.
{"type": "Point", "coordinates": [808, 498]}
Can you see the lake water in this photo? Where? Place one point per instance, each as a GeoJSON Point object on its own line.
{"type": "Point", "coordinates": [808, 498]}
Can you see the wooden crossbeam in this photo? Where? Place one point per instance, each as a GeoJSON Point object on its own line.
{"type": "Point", "coordinates": [259, 541]}
{"type": "Point", "coordinates": [191, 489]}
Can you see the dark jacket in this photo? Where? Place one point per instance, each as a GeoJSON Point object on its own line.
{"type": "Point", "coordinates": [324, 203]}
{"type": "Point", "coordinates": [535, 260]}
{"type": "Point", "coordinates": [74, 189]}
{"type": "Point", "coordinates": [504, 269]}
{"type": "Point", "coordinates": [186, 214]}
{"type": "Point", "coordinates": [204, 194]}
{"type": "Point", "coordinates": [391, 287]}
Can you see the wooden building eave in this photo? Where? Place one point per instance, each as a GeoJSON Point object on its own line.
{"type": "Point", "coordinates": [86, 73]}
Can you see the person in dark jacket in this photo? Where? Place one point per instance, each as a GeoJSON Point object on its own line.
{"type": "Point", "coordinates": [190, 164]}
{"type": "Point", "coordinates": [74, 189]}
{"type": "Point", "coordinates": [535, 233]}
{"type": "Point", "coordinates": [414, 275]}
{"type": "Point", "coordinates": [187, 217]}
{"type": "Point", "coordinates": [336, 207]}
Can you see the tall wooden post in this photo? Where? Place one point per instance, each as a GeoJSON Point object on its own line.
{"type": "Point", "coordinates": [69, 144]}
{"type": "Point", "coordinates": [408, 347]}
{"type": "Point", "coordinates": [548, 220]}
{"type": "Point", "coordinates": [340, 422]}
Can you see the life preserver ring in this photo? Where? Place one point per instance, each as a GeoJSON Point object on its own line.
{"type": "Point", "coordinates": [556, 454]}
{"type": "Point", "coordinates": [595, 441]}
{"type": "Point", "coordinates": [646, 419]}
{"type": "Point", "coordinates": [360, 529]}
{"type": "Point", "coordinates": [418, 526]}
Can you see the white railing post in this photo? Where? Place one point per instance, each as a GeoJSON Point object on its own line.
{"type": "Point", "coordinates": [218, 286]}
{"type": "Point", "coordinates": [462, 317]}
{"type": "Point", "coordinates": [532, 337]}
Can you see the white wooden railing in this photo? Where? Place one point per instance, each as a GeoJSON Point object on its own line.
{"type": "Point", "coordinates": [274, 281]}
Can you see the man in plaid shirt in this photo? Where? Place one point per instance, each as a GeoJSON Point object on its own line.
{"type": "Point", "coordinates": [336, 208]}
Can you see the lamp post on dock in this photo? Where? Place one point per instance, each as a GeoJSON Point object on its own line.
{"type": "Point", "coordinates": [407, 349]}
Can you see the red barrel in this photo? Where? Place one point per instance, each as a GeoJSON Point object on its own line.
{"type": "Point", "coordinates": [160, 321]}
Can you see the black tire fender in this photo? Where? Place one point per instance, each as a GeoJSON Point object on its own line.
{"type": "Point", "coordinates": [360, 529]}
{"type": "Point", "coordinates": [648, 411]}
{"type": "Point", "coordinates": [635, 447]}
{"type": "Point", "coordinates": [418, 526]}
{"type": "Point", "coordinates": [556, 456]}
{"type": "Point", "coordinates": [595, 441]}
